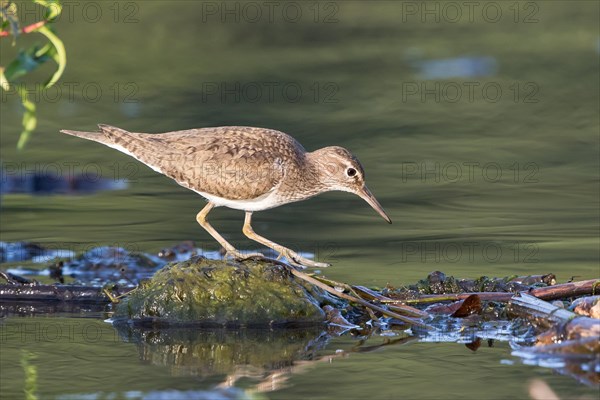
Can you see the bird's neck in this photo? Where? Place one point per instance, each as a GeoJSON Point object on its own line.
{"type": "Point", "coordinates": [312, 177]}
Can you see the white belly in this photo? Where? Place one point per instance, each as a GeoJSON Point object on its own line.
{"type": "Point", "coordinates": [263, 202]}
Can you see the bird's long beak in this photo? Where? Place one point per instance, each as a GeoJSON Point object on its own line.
{"type": "Point", "coordinates": [366, 194]}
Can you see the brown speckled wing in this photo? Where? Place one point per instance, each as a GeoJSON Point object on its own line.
{"type": "Point", "coordinates": [230, 162]}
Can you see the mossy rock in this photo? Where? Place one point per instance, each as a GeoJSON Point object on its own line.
{"type": "Point", "coordinates": [215, 293]}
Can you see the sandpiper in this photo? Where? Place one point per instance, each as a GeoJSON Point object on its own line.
{"type": "Point", "coordinates": [244, 168]}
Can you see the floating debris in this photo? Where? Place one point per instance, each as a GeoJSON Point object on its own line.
{"type": "Point", "coordinates": [261, 292]}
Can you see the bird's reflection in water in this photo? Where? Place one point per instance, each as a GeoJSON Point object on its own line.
{"type": "Point", "coordinates": [254, 359]}
{"type": "Point", "coordinates": [224, 357]}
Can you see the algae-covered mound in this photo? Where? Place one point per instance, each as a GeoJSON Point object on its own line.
{"type": "Point", "coordinates": [218, 293]}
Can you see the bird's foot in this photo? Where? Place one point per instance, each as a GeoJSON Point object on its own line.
{"type": "Point", "coordinates": [298, 261]}
{"type": "Point", "coordinates": [291, 257]}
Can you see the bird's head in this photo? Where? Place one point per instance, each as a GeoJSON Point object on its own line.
{"type": "Point", "coordinates": [340, 170]}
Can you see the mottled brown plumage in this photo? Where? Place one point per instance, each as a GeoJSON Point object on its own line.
{"type": "Point", "coordinates": [245, 168]}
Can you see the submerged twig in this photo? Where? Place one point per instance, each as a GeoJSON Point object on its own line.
{"type": "Point", "coordinates": [358, 300]}
{"type": "Point", "coordinates": [394, 307]}
{"type": "Point", "coordinates": [401, 308]}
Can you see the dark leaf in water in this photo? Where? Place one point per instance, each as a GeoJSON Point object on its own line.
{"type": "Point", "coordinates": [471, 305]}
{"type": "Point", "coordinates": [474, 345]}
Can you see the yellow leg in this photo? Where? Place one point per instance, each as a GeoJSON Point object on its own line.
{"type": "Point", "coordinates": [293, 257]}
{"type": "Point", "coordinates": [230, 250]}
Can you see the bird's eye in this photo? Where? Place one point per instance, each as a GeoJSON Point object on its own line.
{"type": "Point", "coordinates": [350, 171]}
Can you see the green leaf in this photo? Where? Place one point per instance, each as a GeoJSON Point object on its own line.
{"type": "Point", "coordinates": [3, 81]}
{"type": "Point", "coordinates": [53, 8]}
{"type": "Point", "coordinates": [28, 60]}
{"type": "Point", "coordinates": [48, 51]}
{"type": "Point", "coordinates": [29, 117]}
{"type": "Point", "coordinates": [60, 57]}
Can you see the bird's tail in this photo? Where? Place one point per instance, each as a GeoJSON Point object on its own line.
{"type": "Point", "coordinates": [108, 135]}
{"type": "Point", "coordinates": [130, 143]}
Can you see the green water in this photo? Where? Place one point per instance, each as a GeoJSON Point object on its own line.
{"type": "Point", "coordinates": [477, 183]}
